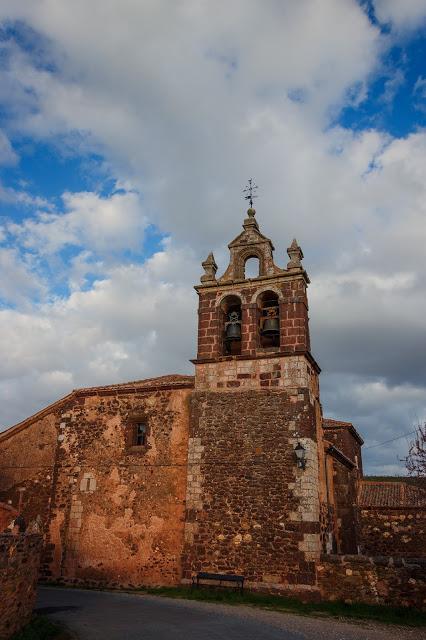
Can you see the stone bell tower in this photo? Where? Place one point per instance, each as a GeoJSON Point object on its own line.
{"type": "Point", "coordinates": [253, 505]}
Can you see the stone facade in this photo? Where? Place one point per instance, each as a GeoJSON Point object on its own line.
{"type": "Point", "coordinates": [118, 507]}
{"type": "Point", "coordinates": [19, 563]}
{"type": "Point", "coordinates": [7, 515]}
{"type": "Point", "coordinates": [249, 509]}
{"type": "Point", "coordinates": [148, 482]}
{"type": "Point", "coordinates": [382, 580]}
{"type": "Point", "coordinates": [392, 519]}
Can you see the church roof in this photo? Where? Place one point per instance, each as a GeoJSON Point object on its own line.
{"type": "Point", "coordinates": [173, 381]}
{"type": "Point", "coordinates": [373, 493]}
{"type": "Point", "coordinates": [329, 423]}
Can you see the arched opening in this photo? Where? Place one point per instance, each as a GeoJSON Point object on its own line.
{"type": "Point", "coordinates": [269, 320]}
{"type": "Point", "coordinates": [231, 322]}
{"type": "Point", "coordinates": [252, 267]}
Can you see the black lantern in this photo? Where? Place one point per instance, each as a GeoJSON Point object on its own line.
{"type": "Point", "coordinates": [300, 452]}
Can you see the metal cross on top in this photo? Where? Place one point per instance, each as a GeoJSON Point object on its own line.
{"type": "Point", "coordinates": [250, 188]}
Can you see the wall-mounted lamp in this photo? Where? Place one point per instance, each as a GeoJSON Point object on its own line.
{"type": "Point", "coordinates": [300, 452]}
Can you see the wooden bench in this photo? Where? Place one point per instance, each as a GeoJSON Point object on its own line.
{"type": "Point", "coordinates": [238, 581]}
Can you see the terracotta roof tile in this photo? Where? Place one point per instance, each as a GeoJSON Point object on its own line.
{"type": "Point", "coordinates": [390, 494]}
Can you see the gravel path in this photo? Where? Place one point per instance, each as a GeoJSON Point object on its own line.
{"type": "Point", "coordinates": [102, 615]}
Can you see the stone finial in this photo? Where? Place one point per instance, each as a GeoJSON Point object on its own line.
{"type": "Point", "coordinates": [295, 254]}
{"type": "Point", "coordinates": [210, 267]}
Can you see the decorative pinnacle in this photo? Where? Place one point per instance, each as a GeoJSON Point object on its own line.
{"type": "Point", "coordinates": [295, 254]}
{"type": "Point", "coordinates": [210, 267]}
{"type": "Point", "coordinates": [249, 190]}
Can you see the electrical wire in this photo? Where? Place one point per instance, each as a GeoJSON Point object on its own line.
{"type": "Point", "coordinates": [379, 444]}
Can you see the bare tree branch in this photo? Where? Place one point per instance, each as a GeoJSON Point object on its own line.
{"type": "Point", "coordinates": [416, 458]}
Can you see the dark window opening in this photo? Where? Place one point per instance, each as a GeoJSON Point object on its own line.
{"type": "Point", "coordinates": [269, 322]}
{"type": "Point", "coordinates": [140, 434]}
{"type": "Point", "coordinates": [231, 314]}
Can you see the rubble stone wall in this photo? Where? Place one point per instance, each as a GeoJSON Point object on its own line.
{"type": "Point", "coordinates": [19, 562]}
{"type": "Point", "coordinates": [27, 462]}
{"type": "Point", "coordinates": [7, 515]}
{"type": "Point", "coordinates": [118, 509]}
{"type": "Point", "coordinates": [398, 532]}
{"type": "Point", "coordinates": [373, 580]}
{"type": "Point", "coordinates": [345, 510]}
{"type": "Point", "coordinates": [250, 509]}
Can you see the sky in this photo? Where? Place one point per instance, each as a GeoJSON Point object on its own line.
{"type": "Point", "coordinates": [127, 133]}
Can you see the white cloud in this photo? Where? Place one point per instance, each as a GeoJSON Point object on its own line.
{"type": "Point", "coordinates": [137, 322]}
{"type": "Point", "coordinates": [402, 14]}
{"type": "Point", "coordinates": [18, 283]}
{"type": "Point", "coordinates": [185, 101]}
{"type": "Point", "coordinates": [106, 224]}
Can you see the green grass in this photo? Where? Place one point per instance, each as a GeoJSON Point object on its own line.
{"type": "Point", "coordinates": [389, 615]}
{"type": "Point", "coordinates": [41, 628]}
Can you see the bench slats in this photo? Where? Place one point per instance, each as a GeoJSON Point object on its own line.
{"type": "Point", "coordinates": [219, 577]}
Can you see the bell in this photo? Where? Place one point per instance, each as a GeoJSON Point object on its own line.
{"type": "Point", "coordinates": [233, 331]}
{"type": "Point", "coordinates": [271, 327]}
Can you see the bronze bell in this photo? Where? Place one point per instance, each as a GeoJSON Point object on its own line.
{"type": "Point", "coordinates": [271, 327]}
{"type": "Point", "coordinates": [233, 327]}
{"type": "Point", "coordinates": [233, 331]}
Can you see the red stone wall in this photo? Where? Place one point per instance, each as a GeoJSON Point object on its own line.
{"type": "Point", "coordinates": [250, 510]}
{"type": "Point", "coordinates": [397, 532]}
{"type": "Point", "coordinates": [293, 304]}
{"type": "Point", "coordinates": [345, 508]}
{"type": "Point", "coordinates": [19, 562]}
{"type": "Point", "coordinates": [7, 514]}
{"type": "Point", "coordinates": [27, 459]}
{"type": "Point", "coordinates": [382, 580]}
{"type": "Point", "coordinates": [118, 510]}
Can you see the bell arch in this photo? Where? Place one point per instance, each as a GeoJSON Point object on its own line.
{"type": "Point", "coordinates": [251, 267]}
{"type": "Point", "coordinates": [269, 319]}
{"type": "Point", "coordinates": [230, 317]}
{"type": "Point", "coordinates": [244, 257]}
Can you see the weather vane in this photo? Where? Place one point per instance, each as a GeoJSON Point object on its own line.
{"type": "Point", "coordinates": [250, 188]}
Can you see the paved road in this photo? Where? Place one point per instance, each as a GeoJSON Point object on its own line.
{"type": "Point", "coordinates": [97, 615]}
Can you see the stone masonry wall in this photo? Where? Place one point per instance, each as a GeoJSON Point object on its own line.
{"type": "Point", "coordinates": [118, 509]}
{"type": "Point", "coordinates": [19, 562]}
{"type": "Point", "coordinates": [250, 510]}
{"type": "Point", "coordinates": [398, 532]}
{"type": "Point", "coordinates": [27, 458]}
{"type": "Point", "coordinates": [288, 372]}
{"type": "Point", "coordinates": [7, 515]}
{"type": "Point", "coordinates": [381, 580]}
{"type": "Point", "coordinates": [345, 508]}
{"type": "Point", "coordinates": [294, 326]}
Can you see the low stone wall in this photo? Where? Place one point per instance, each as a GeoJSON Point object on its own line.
{"type": "Point", "coordinates": [19, 563]}
{"type": "Point", "coordinates": [397, 532]}
{"type": "Point", "coordinates": [373, 580]}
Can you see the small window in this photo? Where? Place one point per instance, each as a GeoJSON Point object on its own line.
{"type": "Point", "coordinates": [140, 434]}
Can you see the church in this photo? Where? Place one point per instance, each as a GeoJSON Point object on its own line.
{"type": "Point", "coordinates": [232, 470]}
